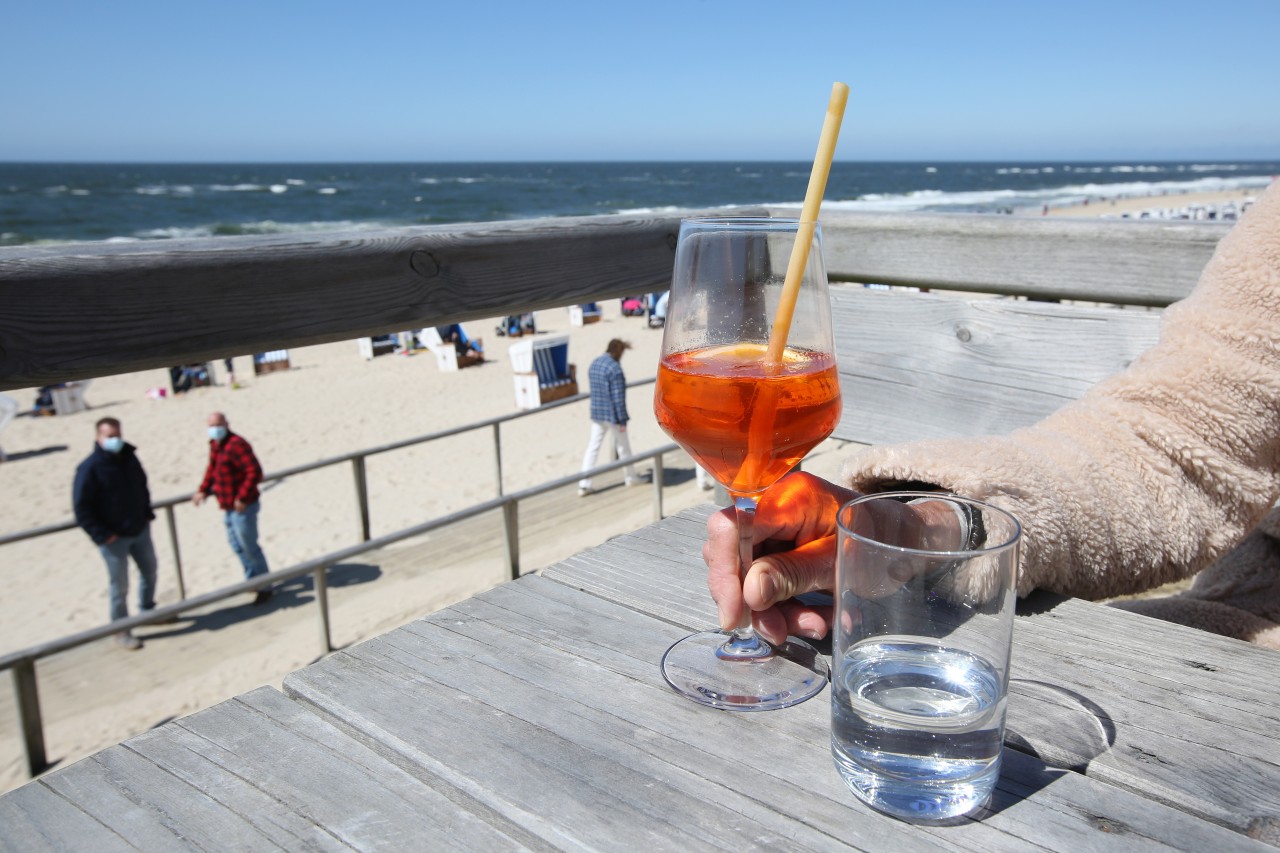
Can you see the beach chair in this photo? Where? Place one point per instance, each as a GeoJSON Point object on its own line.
{"type": "Point", "coordinates": [447, 358]}
{"type": "Point", "coordinates": [8, 410]}
{"type": "Point", "coordinates": [581, 315]}
{"type": "Point", "coordinates": [270, 362]}
{"type": "Point", "coordinates": [372, 347]}
{"type": "Point", "coordinates": [68, 398]}
{"type": "Point", "coordinates": [542, 371]}
{"type": "Point", "coordinates": [184, 377]}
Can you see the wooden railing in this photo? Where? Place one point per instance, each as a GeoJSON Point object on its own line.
{"type": "Point", "coordinates": [912, 364]}
{"type": "Point", "coordinates": [97, 309]}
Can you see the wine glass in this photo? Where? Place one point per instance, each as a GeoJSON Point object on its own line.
{"type": "Point", "coordinates": [747, 385]}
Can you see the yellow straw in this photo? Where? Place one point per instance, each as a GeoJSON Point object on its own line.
{"type": "Point", "coordinates": [808, 223]}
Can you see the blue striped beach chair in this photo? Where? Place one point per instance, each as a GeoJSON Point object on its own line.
{"type": "Point", "coordinates": [543, 372]}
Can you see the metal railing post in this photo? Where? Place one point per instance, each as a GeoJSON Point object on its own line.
{"type": "Point", "coordinates": [511, 532]}
{"type": "Point", "coordinates": [320, 578]}
{"type": "Point", "coordinates": [362, 496]}
{"type": "Point", "coordinates": [659, 474]}
{"type": "Point", "coordinates": [497, 455]}
{"type": "Point", "coordinates": [25, 691]}
{"type": "Point", "coordinates": [177, 554]}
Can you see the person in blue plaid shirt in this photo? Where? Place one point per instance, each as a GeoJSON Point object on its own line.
{"type": "Point", "coordinates": [609, 413]}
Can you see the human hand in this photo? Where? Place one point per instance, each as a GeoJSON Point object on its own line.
{"type": "Point", "coordinates": [794, 535]}
{"type": "Point", "coordinates": [111, 539]}
{"type": "Point", "coordinates": [198, 498]}
{"type": "Point", "coordinates": [238, 506]}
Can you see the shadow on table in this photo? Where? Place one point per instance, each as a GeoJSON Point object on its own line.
{"type": "Point", "coordinates": [298, 592]}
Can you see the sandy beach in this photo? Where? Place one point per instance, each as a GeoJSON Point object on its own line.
{"type": "Point", "coordinates": [1157, 207]}
{"type": "Point", "coordinates": [330, 402]}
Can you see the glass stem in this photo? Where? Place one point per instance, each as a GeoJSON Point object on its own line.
{"type": "Point", "coordinates": [745, 643]}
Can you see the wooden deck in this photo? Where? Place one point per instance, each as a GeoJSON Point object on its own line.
{"type": "Point", "coordinates": [533, 717]}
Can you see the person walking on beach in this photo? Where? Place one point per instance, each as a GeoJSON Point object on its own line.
{"type": "Point", "coordinates": [609, 413]}
{"type": "Point", "coordinates": [232, 477]}
{"type": "Point", "coordinates": [113, 505]}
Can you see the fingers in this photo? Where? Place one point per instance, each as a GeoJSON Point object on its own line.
{"type": "Point", "coordinates": [777, 577]}
{"type": "Point", "coordinates": [792, 618]}
{"type": "Point", "coordinates": [794, 537]}
{"type": "Point", "coordinates": [723, 574]}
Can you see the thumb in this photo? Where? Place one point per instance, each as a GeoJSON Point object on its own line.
{"type": "Point", "coordinates": [778, 577]}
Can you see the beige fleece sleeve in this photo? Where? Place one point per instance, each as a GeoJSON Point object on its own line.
{"type": "Point", "coordinates": [1157, 470]}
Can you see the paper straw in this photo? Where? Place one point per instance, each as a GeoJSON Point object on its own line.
{"type": "Point", "coordinates": [808, 223]}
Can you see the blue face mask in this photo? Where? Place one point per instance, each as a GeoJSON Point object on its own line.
{"type": "Point", "coordinates": [113, 444]}
{"type": "Point", "coordinates": [217, 433]}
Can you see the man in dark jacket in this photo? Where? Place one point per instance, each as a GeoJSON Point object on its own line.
{"type": "Point", "coordinates": [113, 505]}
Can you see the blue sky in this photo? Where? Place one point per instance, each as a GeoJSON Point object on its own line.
{"type": "Point", "coordinates": [392, 80]}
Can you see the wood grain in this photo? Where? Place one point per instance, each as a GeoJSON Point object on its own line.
{"type": "Point", "coordinates": [918, 365]}
{"type": "Point", "coordinates": [1126, 262]}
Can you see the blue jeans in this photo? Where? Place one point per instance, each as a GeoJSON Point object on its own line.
{"type": "Point", "coordinates": [117, 556]}
{"type": "Point", "coordinates": [242, 533]}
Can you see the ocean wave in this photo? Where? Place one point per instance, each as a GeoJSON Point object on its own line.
{"type": "Point", "coordinates": [460, 179]}
{"type": "Point", "coordinates": [668, 209]}
{"type": "Point", "coordinates": [165, 189]}
{"type": "Point", "coordinates": [239, 188]}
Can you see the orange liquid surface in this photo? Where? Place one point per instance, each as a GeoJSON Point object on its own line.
{"type": "Point", "coordinates": [748, 425]}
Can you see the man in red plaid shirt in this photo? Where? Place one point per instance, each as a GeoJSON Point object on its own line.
{"type": "Point", "coordinates": [232, 478]}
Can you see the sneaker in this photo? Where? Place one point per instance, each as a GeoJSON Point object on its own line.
{"type": "Point", "coordinates": [126, 640]}
{"type": "Point", "coordinates": [583, 491]}
{"type": "Point", "coordinates": [641, 479]}
{"type": "Point", "coordinates": [263, 596]}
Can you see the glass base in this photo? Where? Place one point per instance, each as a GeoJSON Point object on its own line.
{"type": "Point", "coordinates": [711, 668]}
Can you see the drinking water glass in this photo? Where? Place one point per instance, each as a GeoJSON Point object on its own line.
{"type": "Point", "coordinates": [924, 606]}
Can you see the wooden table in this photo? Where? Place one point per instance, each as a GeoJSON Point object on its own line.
{"type": "Point", "coordinates": [534, 717]}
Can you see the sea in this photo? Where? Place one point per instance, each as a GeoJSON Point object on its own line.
{"type": "Point", "coordinates": [51, 203]}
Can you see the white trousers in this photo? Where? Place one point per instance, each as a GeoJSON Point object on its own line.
{"type": "Point", "coordinates": [620, 442]}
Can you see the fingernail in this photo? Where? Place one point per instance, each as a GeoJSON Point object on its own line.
{"type": "Point", "coordinates": [767, 589]}
{"type": "Point", "coordinates": [811, 629]}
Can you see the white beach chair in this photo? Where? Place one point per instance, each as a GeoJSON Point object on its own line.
{"type": "Point", "coordinates": [542, 371]}
{"type": "Point", "coordinates": [69, 399]}
{"type": "Point", "coordinates": [270, 362]}
{"type": "Point", "coordinates": [447, 358]}
{"type": "Point", "coordinates": [372, 347]}
{"type": "Point", "coordinates": [8, 409]}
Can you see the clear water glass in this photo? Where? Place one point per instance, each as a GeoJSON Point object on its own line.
{"type": "Point", "coordinates": [923, 627]}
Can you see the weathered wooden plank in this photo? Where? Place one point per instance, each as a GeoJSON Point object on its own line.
{"type": "Point", "coordinates": [34, 818]}
{"type": "Point", "coordinates": [102, 308]}
{"type": "Point", "coordinates": [1137, 263]}
{"type": "Point", "coordinates": [95, 309]}
{"type": "Point", "coordinates": [257, 772]}
{"type": "Point", "coordinates": [924, 366]}
{"type": "Point", "coordinates": [581, 675]}
{"type": "Point", "coordinates": [1159, 736]}
{"type": "Point", "coordinates": [496, 710]}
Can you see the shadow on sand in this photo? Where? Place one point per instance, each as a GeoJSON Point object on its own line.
{"type": "Point", "coordinates": [298, 592]}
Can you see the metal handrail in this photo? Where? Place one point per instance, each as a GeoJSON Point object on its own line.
{"type": "Point", "coordinates": [274, 476]}
{"type": "Point", "coordinates": [22, 662]}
